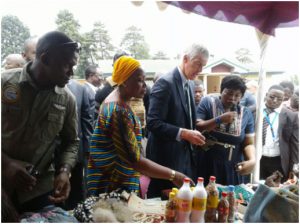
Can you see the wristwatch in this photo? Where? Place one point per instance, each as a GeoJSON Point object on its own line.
{"type": "Point", "coordinates": [218, 120]}
{"type": "Point", "coordinates": [65, 169]}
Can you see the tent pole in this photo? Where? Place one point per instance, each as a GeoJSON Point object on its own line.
{"type": "Point", "coordinates": [263, 41]}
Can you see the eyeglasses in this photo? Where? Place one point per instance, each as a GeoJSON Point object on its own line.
{"type": "Point", "coordinates": [76, 45]}
{"type": "Point", "coordinates": [275, 97]}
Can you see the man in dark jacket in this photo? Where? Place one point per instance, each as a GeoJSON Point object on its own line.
{"type": "Point", "coordinates": [171, 119]}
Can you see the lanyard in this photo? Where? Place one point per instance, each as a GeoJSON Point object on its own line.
{"type": "Point", "coordinates": [271, 124]}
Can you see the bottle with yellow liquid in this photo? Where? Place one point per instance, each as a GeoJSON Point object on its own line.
{"type": "Point", "coordinates": [212, 200]}
{"type": "Point", "coordinates": [199, 202]}
{"type": "Point", "coordinates": [184, 202]}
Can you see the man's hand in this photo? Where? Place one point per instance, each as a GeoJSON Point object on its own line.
{"type": "Point", "coordinates": [193, 136]}
{"type": "Point", "coordinates": [245, 167]}
{"type": "Point", "coordinates": [16, 175]}
{"type": "Point", "coordinates": [228, 117]}
{"type": "Point", "coordinates": [62, 188]}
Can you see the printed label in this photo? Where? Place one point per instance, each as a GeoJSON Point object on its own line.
{"type": "Point", "coordinates": [184, 205]}
{"type": "Point", "coordinates": [223, 211]}
{"type": "Point", "coordinates": [212, 201]}
{"type": "Point", "coordinates": [199, 204]}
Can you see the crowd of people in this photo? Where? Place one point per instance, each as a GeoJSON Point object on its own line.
{"type": "Point", "coordinates": [63, 141]}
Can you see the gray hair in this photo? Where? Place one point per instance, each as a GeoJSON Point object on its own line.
{"type": "Point", "coordinates": [252, 83]}
{"type": "Point", "coordinates": [28, 41]}
{"type": "Point", "coordinates": [196, 49]}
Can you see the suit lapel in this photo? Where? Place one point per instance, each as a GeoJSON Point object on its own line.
{"type": "Point", "coordinates": [281, 122]}
{"type": "Point", "coordinates": [179, 87]}
{"type": "Point", "coordinates": [193, 107]}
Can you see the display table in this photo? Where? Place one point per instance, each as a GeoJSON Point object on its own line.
{"type": "Point", "coordinates": [147, 211]}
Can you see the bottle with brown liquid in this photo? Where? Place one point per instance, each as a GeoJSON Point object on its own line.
{"type": "Point", "coordinates": [232, 203]}
{"type": "Point", "coordinates": [170, 212]}
{"type": "Point", "coordinates": [212, 200]}
{"type": "Point", "coordinates": [223, 208]}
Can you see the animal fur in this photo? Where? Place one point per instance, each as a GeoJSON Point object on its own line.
{"type": "Point", "coordinates": [111, 210]}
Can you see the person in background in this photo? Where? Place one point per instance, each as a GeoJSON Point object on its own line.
{"type": "Point", "coordinates": [38, 114]}
{"type": "Point", "coordinates": [249, 98]}
{"type": "Point", "coordinates": [93, 80]}
{"type": "Point", "coordinates": [171, 118]}
{"type": "Point", "coordinates": [280, 138]}
{"type": "Point", "coordinates": [85, 130]}
{"type": "Point", "coordinates": [295, 101]}
{"type": "Point", "coordinates": [14, 61]}
{"type": "Point", "coordinates": [101, 94]}
{"type": "Point", "coordinates": [29, 49]}
{"type": "Point", "coordinates": [115, 160]}
{"type": "Point", "coordinates": [108, 86]}
{"type": "Point", "coordinates": [229, 153]}
{"type": "Point", "coordinates": [198, 92]}
{"type": "Point", "coordinates": [288, 87]}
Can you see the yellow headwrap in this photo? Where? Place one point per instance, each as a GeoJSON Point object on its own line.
{"type": "Point", "coordinates": [124, 68]}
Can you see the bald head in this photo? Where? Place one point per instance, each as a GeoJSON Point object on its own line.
{"type": "Point", "coordinates": [14, 61]}
{"type": "Point", "coordinates": [29, 49]}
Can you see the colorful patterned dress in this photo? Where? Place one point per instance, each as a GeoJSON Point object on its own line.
{"type": "Point", "coordinates": [115, 146]}
{"type": "Point", "coordinates": [215, 161]}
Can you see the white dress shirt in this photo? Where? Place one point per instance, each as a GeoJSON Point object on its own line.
{"type": "Point", "coordinates": [271, 147]}
{"type": "Point", "coordinates": [94, 88]}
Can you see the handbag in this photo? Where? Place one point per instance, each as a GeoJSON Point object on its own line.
{"type": "Point", "coordinates": [271, 205]}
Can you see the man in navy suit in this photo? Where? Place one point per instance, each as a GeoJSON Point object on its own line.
{"type": "Point", "coordinates": [85, 130]}
{"type": "Point", "coordinates": [171, 119]}
{"type": "Point", "coordinates": [93, 81]}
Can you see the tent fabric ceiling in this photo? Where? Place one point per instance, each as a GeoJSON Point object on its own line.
{"type": "Point", "coordinates": [265, 16]}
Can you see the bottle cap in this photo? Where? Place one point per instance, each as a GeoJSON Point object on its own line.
{"type": "Point", "coordinates": [186, 180]}
{"type": "Point", "coordinates": [231, 188]}
{"type": "Point", "coordinates": [171, 195]}
{"type": "Point", "coordinates": [224, 194]}
{"type": "Point", "coordinates": [175, 190]}
{"type": "Point", "coordinates": [200, 179]}
{"type": "Point", "coordinates": [212, 178]}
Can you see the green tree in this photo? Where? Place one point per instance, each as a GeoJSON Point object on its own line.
{"type": "Point", "coordinates": [13, 35]}
{"type": "Point", "coordinates": [101, 47]}
{"type": "Point", "coordinates": [160, 55]}
{"type": "Point", "coordinates": [134, 42]}
{"type": "Point", "coordinates": [244, 55]}
{"type": "Point", "coordinates": [86, 54]}
{"type": "Point", "coordinates": [67, 24]}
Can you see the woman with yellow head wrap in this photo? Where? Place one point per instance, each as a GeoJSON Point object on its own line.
{"type": "Point", "coordinates": [124, 68]}
{"type": "Point", "coordinates": [115, 160]}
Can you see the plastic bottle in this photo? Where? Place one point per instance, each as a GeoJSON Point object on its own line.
{"type": "Point", "coordinates": [232, 203]}
{"type": "Point", "coordinates": [170, 212]}
{"type": "Point", "coordinates": [184, 202]}
{"type": "Point", "coordinates": [199, 202]}
{"type": "Point", "coordinates": [223, 208]}
{"type": "Point", "coordinates": [212, 200]}
{"type": "Point", "coordinates": [175, 191]}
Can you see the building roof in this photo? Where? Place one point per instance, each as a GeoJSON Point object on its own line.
{"type": "Point", "coordinates": [153, 66]}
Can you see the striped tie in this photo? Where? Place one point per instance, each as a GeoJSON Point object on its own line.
{"type": "Point", "coordinates": [266, 124]}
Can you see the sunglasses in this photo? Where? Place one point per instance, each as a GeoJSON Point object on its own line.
{"type": "Point", "coordinates": [68, 45]}
{"type": "Point", "coordinates": [75, 45]}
